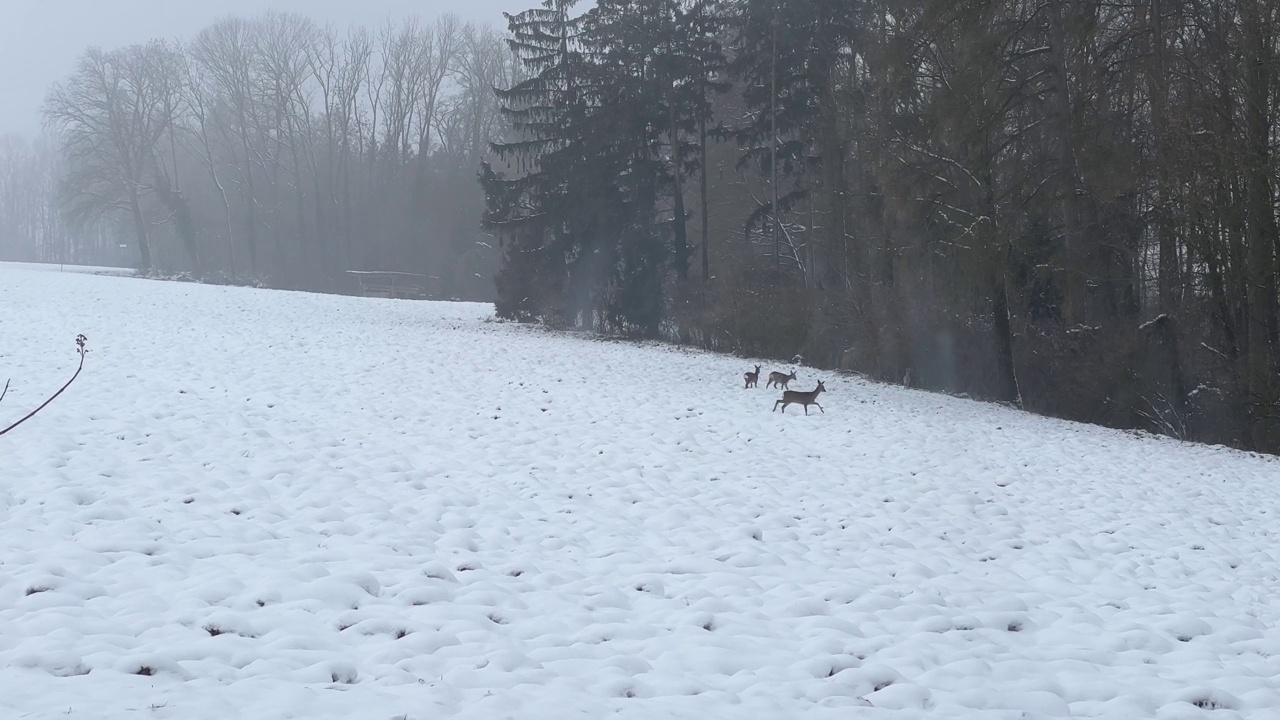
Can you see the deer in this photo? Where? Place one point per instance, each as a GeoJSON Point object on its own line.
{"type": "Point", "coordinates": [779, 379]}
{"type": "Point", "coordinates": [801, 398]}
{"type": "Point", "coordinates": [752, 378]}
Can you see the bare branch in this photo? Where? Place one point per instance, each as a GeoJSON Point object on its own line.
{"type": "Point", "coordinates": [80, 343]}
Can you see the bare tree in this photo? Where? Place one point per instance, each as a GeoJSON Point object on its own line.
{"type": "Point", "coordinates": [482, 65]}
{"type": "Point", "coordinates": [290, 152]}
{"type": "Point", "coordinates": [31, 227]}
{"type": "Point", "coordinates": [200, 98]}
{"type": "Point", "coordinates": [223, 54]}
{"type": "Point", "coordinates": [438, 49]}
{"type": "Point", "coordinates": [401, 51]}
{"type": "Point", "coordinates": [284, 43]}
{"type": "Point", "coordinates": [112, 113]}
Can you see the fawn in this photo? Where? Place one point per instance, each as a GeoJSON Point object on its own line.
{"type": "Point", "coordinates": [752, 378]}
{"type": "Point", "coordinates": [801, 398]}
{"type": "Point", "coordinates": [777, 378]}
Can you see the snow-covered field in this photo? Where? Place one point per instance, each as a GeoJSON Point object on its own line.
{"type": "Point", "coordinates": [258, 504]}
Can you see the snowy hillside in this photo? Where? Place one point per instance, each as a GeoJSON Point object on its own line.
{"type": "Point", "coordinates": [258, 504]}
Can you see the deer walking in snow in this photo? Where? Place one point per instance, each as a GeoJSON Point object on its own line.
{"type": "Point", "coordinates": [752, 378]}
{"type": "Point", "coordinates": [799, 397]}
{"type": "Point", "coordinates": [779, 379]}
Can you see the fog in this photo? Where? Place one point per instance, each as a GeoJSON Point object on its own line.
{"type": "Point", "coordinates": [41, 40]}
{"type": "Point", "coordinates": [279, 144]}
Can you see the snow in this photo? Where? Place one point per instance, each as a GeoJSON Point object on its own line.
{"type": "Point", "coordinates": [70, 268]}
{"type": "Point", "coordinates": [282, 505]}
{"type": "Point", "coordinates": [1162, 317]}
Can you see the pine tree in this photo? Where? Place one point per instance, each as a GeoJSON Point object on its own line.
{"type": "Point", "coordinates": [601, 156]}
{"type": "Point", "coordinates": [547, 112]}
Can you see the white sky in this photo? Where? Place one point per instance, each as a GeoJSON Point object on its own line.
{"type": "Point", "coordinates": [40, 40]}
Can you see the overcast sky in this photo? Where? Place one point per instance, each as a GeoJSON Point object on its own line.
{"type": "Point", "coordinates": [41, 39]}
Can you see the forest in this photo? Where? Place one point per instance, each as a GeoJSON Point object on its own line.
{"type": "Point", "coordinates": [269, 150]}
{"type": "Point", "coordinates": [1065, 205]}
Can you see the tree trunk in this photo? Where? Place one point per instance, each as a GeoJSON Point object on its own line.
{"type": "Point", "coordinates": [831, 147]}
{"type": "Point", "coordinates": [1074, 255]}
{"type": "Point", "coordinates": [175, 203]}
{"type": "Point", "coordinates": [679, 223]}
{"type": "Point", "coordinates": [250, 208]}
{"type": "Point", "coordinates": [702, 196]}
{"type": "Point", "coordinates": [140, 228]}
{"type": "Point", "coordinates": [773, 141]}
{"type": "Point", "coordinates": [999, 254]}
{"type": "Point", "coordinates": [1218, 292]}
{"type": "Point", "coordinates": [1261, 229]}
{"type": "Point", "coordinates": [300, 206]}
{"type": "Point", "coordinates": [212, 166]}
{"type": "Point", "coordinates": [1007, 388]}
{"type": "Point", "coordinates": [1157, 80]}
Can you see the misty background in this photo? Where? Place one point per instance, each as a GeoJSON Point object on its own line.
{"type": "Point", "coordinates": [294, 139]}
{"type": "Point", "coordinates": [41, 41]}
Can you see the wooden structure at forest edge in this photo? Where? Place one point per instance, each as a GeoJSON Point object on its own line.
{"type": "Point", "coordinates": [392, 284]}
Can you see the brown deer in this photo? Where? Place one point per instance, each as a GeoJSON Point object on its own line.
{"type": "Point", "coordinates": [779, 379]}
{"type": "Point", "coordinates": [801, 398]}
{"type": "Point", "coordinates": [752, 378]}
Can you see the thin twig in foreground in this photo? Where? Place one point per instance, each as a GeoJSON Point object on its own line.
{"type": "Point", "coordinates": [80, 341]}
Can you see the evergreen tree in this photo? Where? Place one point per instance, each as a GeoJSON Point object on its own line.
{"type": "Point", "coordinates": [547, 112]}
{"type": "Point", "coordinates": [600, 154]}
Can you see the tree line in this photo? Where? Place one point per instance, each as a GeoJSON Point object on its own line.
{"type": "Point", "coordinates": [269, 150]}
{"type": "Point", "coordinates": [1067, 205]}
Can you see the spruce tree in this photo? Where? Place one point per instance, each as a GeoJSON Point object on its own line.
{"type": "Point", "coordinates": [595, 172]}
{"type": "Point", "coordinates": [531, 199]}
